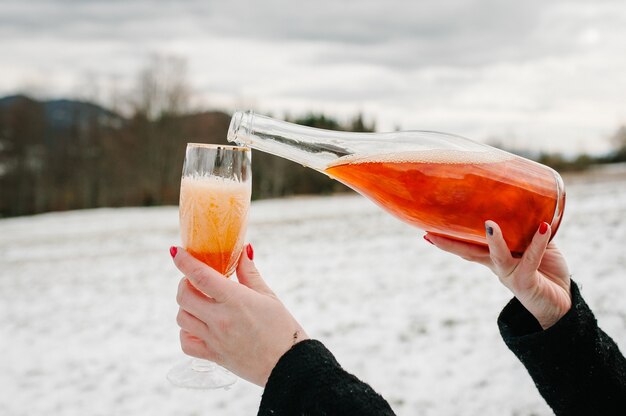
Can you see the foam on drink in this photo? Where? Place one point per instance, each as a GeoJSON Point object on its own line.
{"type": "Point", "coordinates": [213, 215]}
{"type": "Point", "coordinates": [428, 156]}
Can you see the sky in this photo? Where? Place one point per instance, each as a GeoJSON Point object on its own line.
{"type": "Point", "coordinates": [535, 75]}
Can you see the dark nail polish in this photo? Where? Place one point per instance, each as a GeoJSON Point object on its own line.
{"type": "Point", "coordinates": [428, 239]}
{"type": "Point", "coordinates": [489, 230]}
{"type": "Point", "coordinates": [543, 228]}
{"type": "Point", "coordinates": [173, 251]}
{"type": "Point", "coordinates": [250, 251]}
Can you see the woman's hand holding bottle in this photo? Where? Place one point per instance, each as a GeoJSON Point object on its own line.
{"type": "Point", "coordinates": [540, 279]}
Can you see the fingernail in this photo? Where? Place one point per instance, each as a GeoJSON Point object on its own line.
{"type": "Point", "coordinates": [543, 228]}
{"type": "Point", "coordinates": [489, 230]}
{"type": "Point", "coordinates": [173, 251]}
{"type": "Point", "coordinates": [250, 251]}
{"type": "Point", "coordinates": [428, 239]}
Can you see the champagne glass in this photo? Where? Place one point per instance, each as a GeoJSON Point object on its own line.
{"type": "Point", "coordinates": [214, 201]}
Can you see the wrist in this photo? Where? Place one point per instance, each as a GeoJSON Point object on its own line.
{"type": "Point", "coordinates": [298, 336]}
{"type": "Point", "coordinates": [549, 309]}
{"type": "Point", "coordinates": [519, 326]}
{"type": "Point", "coordinates": [547, 322]}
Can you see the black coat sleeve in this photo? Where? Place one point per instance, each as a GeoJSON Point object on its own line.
{"type": "Point", "coordinates": [307, 380]}
{"type": "Point", "coordinates": [577, 368]}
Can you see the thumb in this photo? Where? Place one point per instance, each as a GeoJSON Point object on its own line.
{"type": "Point", "coordinates": [247, 273]}
{"type": "Point", "coordinates": [201, 276]}
{"type": "Point", "coordinates": [534, 253]}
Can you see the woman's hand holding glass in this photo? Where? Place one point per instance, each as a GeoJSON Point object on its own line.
{"type": "Point", "coordinates": [540, 279]}
{"type": "Point", "coordinates": [242, 325]}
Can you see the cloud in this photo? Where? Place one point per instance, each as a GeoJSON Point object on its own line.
{"type": "Point", "coordinates": [392, 33]}
{"type": "Point", "coordinates": [474, 67]}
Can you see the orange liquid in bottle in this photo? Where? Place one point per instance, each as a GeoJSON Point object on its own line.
{"type": "Point", "coordinates": [453, 193]}
{"type": "Point", "coordinates": [213, 217]}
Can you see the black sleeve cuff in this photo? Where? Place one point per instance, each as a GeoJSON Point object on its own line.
{"type": "Point", "coordinates": [301, 369]}
{"type": "Point", "coordinates": [520, 329]}
{"type": "Point", "coordinates": [577, 368]}
{"type": "Point", "coordinates": [308, 380]}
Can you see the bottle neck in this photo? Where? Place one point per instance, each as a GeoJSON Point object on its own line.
{"type": "Point", "coordinates": [308, 146]}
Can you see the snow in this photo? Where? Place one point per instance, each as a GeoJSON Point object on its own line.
{"type": "Point", "coordinates": [87, 306]}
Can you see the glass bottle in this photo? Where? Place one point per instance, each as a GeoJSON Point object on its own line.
{"type": "Point", "coordinates": [441, 183]}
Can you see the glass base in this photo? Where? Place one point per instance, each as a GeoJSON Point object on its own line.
{"type": "Point", "coordinates": [201, 374]}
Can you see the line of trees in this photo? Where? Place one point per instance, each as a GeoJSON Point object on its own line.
{"type": "Point", "coordinates": [61, 154]}
{"type": "Point", "coordinates": [584, 161]}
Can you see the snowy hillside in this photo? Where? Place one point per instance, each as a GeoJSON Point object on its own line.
{"type": "Point", "coordinates": [87, 306]}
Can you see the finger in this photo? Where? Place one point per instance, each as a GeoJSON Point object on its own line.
{"type": "Point", "coordinates": [534, 253]}
{"type": "Point", "coordinates": [498, 251]}
{"type": "Point", "coordinates": [554, 266]}
{"type": "Point", "coordinates": [191, 299]}
{"type": "Point", "coordinates": [247, 273]}
{"type": "Point", "coordinates": [191, 324]}
{"type": "Point", "coordinates": [203, 277]}
{"type": "Point", "coordinates": [468, 251]}
{"type": "Point", "coordinates": [192, 345]}
{"type": "Point", "coordinates": [195, 347]}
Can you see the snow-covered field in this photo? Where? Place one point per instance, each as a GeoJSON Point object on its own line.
{"type": "Point", "coordinates": [87, 306]}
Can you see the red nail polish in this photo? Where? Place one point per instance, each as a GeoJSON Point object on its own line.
{"type": "Point", "coordinates": [250, 251]}
{"type": "Point", "coordinates": [543, 228]}
{"type": "Point", "coordinates": [173, 251]}
{"type": "Point", "coordinates": [427, 239]}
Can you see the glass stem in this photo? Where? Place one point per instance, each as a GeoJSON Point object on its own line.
{"type": "Point", "coordinates": [202, 365]}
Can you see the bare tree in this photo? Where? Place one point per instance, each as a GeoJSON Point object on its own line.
{"type": "Point", "coordinates": [162, 87]}
{"type": "Point", "coordinates": [162, 97]}
{"type": "Point", "coordinates": [22, 158]}
{"type": "Point", "coordinates": [618, 139]}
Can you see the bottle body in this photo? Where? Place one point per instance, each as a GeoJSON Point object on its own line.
{"type": "Point", "coordinates": [454, 193]}
{"type": "Point", "coordinates": [443, 184]}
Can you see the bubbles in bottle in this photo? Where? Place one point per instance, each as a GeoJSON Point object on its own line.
{"type": "Point", "coordinates": [428, 156]}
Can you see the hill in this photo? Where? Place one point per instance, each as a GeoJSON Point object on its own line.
{"type": "Point", "coordinates": [65, 113]}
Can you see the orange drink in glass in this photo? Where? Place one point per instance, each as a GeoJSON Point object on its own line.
{"type": "Point", "coordinates": [215, 194]}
